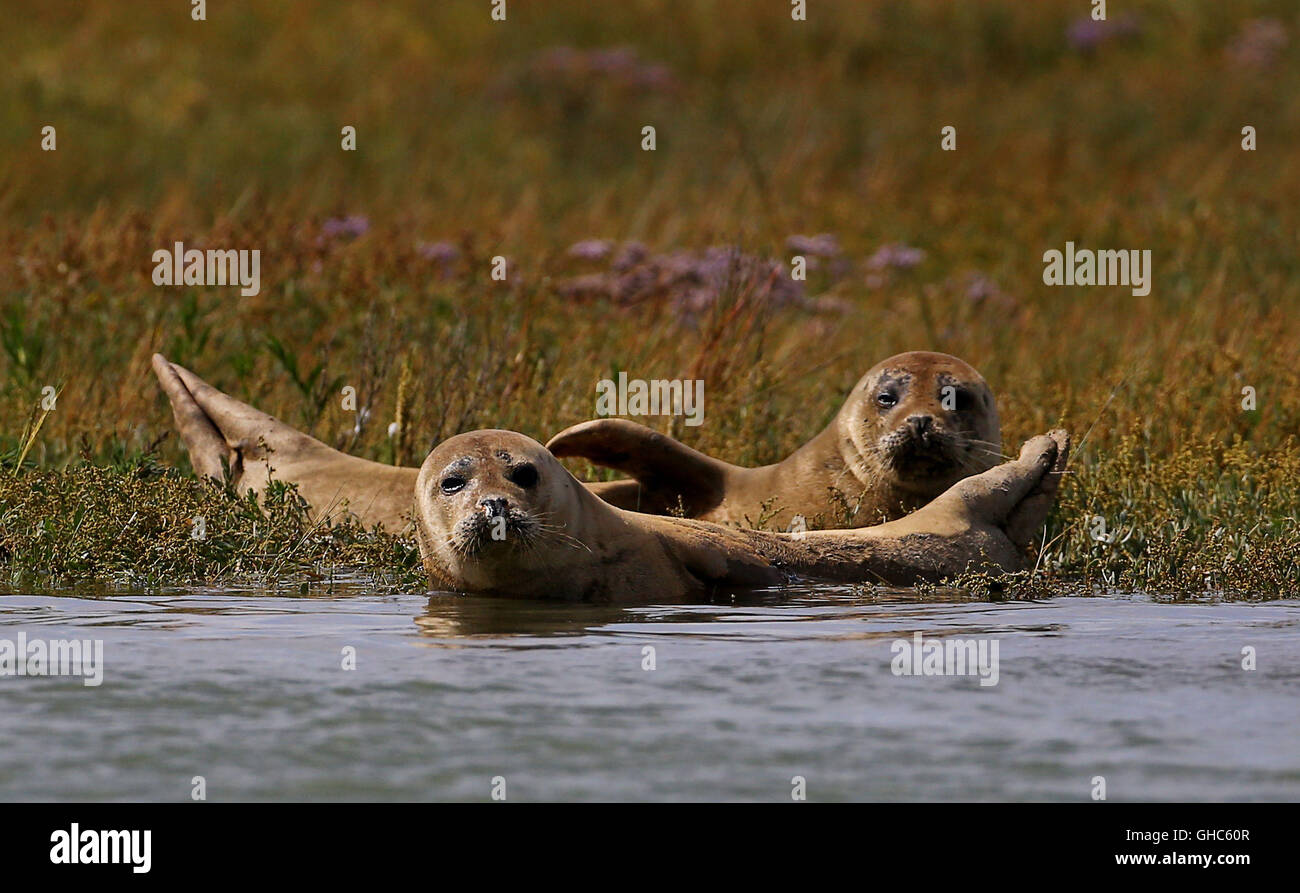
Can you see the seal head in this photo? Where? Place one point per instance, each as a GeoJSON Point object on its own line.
{"type": "Point", "coordinates": [919, 422]}
{"type": "Point", "coordinates": [493, 504]}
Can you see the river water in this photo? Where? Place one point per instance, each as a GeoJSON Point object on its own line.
{"type": "Point", "coordinates": [453, 698]}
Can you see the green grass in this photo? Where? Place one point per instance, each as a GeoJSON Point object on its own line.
{"type": "Point", "coordinates": [226, 133]}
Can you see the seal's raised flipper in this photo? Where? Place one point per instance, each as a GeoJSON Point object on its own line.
{"type": "Point", "coordinates": [1006, 506]}
{"type": "Point", "coordinates": [1015, 495]}
{"type": "Point", "coordinates": [669, 475]}
{"type": "Point", "coordinates": [984, 523]}
{"type": "Point", "coordinates": [220, 432]}
{"type": "Point", "coordinates": [1030, 514]}
{"type": "Point", "coordinates": [207, 448]}
{"type": "Point", "coordinates": [249, 432]}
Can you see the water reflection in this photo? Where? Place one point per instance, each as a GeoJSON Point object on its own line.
{"type": "Point", "coordinates": [775, 613]}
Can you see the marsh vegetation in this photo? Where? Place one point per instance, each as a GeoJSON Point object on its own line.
{"type": "Point", "coordinates": [774, 138]}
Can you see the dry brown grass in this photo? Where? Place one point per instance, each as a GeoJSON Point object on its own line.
{"type": "Point", "coordinates": [767, 131]}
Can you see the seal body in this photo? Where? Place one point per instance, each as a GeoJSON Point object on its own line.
{"type": "Point", "coordinates": [913, 426]}
{"type": "Point", "coordinates": [496, 514]}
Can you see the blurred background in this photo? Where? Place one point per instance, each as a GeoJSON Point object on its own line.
{"type": "Point", "coordinates": [523, 139]}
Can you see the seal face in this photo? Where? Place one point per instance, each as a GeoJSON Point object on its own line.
{"type": "Point", "coordinates": [491, 494]}
{"type": "Point", "coordinates": [920, 422]}
{"type": "Point", "coordinates": [493, 505]}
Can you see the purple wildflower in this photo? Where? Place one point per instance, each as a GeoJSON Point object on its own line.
{"type": "Point", "coordinates": [443, 252]}
{"type": "Point", "coordinates": [629, 255]}
{"type": "Point", "coordinates": [619, 66]}
{"type": "Point", "coordinates": [1086, 34]}
{"type": "Point", "coordinates": [590, 249]}
{"type": "Point", "coordinates": [895, 256]}
{"type": "Point", "coordinates": [350, 227]}
{"type": "Point", "coordinates": [820, 245]}
{"type": "Point", "coordinates": [1258, 44]}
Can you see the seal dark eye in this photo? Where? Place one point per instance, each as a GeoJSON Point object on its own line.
{"type": "Point", "coordinates": [452, 484]}
{"type": "Point", "coordinates": [885, 398]}
{"type": "Point", "coordinates": [965, 401]}
{"type": "Point", "coordinates": [523, 475]}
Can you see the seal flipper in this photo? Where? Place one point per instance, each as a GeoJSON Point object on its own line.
{"type": "Point", "coordinates": [244, 429]}
{"type": "Point", "coordinates": [1015, 496]}
{"type": "Point", "coordinates": [669, 476]}
{"type": "Point", "coordinates": [1030, 514]}
{"type": "Point", "coordinates": [1013, 499]}
{"type": "Point", "coordinates": [209, 453]}
{"type": "Point", "coordinates": [220, 430]}
{"type": "Point", "coordinates": [722, 560]}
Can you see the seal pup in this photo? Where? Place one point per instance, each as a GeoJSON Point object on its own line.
{"type": "Point", "coordinates": [226, 437]}
{"type": "Point", "coordinates": [912, 427]}
{"type": "Point", "coordinates": [496, 514]}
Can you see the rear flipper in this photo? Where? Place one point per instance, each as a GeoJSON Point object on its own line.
{"type": "Point", "coordinates": [247, 432]}
{"type": "Point", "coordinates": [982, 523]}
{"type": "Point", "coordinates": [668, 476]}
{"type": "Point", "coordinates": [221, 434]}
{"type": "Point", "coordinates": [1026, 520]}
{"type": "Point", "coordinates": [209, 453]}
{"type": "Point", "coordinates": [1014, 497]}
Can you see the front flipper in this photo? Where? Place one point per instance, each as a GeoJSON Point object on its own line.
{"type": "Point", "coordinates": [668, 476]}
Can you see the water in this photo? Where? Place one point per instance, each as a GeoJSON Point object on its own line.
{"type": "Point", "coordinates": [246, 689]}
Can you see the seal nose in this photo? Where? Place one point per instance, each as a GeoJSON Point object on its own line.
{"type": "Point", "coordinates": [921, 425]}
{"type": "Point", "coordinates": [493, 506]}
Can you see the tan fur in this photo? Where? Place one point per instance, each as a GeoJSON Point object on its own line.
{"type": "Point", "coordinates": [572, 545]}
{"type": "Point", "coordinates": [839, 469]}
{"type": "Point", "coordinates": [222, 433]}
{"type": "Point", "coordinates": [843, 477]}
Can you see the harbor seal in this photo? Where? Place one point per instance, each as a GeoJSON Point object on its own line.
{"type": "Point", "coordinates": [899, 440]}
{"type": "Point", "coordinates": [496, 514]}
{"type": "Point", "coordinates": [225, 437]}
{"type": "Point", "coordinates": [914, 425]}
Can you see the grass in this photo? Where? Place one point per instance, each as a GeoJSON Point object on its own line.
{"type": "Point", "coordinates": [478, 135]}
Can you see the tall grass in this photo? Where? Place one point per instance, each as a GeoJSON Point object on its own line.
{"type": "Point", "coordinates": [226, 133]}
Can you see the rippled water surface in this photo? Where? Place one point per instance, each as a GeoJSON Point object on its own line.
{"type": "Point", "coordinates": [247, 690]}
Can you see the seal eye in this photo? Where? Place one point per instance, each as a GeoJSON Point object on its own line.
{"type": "Point", "coordinates": [885, 398]}
{"type": "Point", "coordinates": [523, 475]}
{"type": "Point", "coordinates": [452, 485]}
{"type": "Point", "coordinates": [965, 401]}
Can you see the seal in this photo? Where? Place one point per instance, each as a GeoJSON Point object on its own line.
{"type": "Point", "coordinates": [496, 514]}
{"type": "Point", "coordinates": [230, 440]}
{"type": "Point", "coordinates": [914, 425]}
